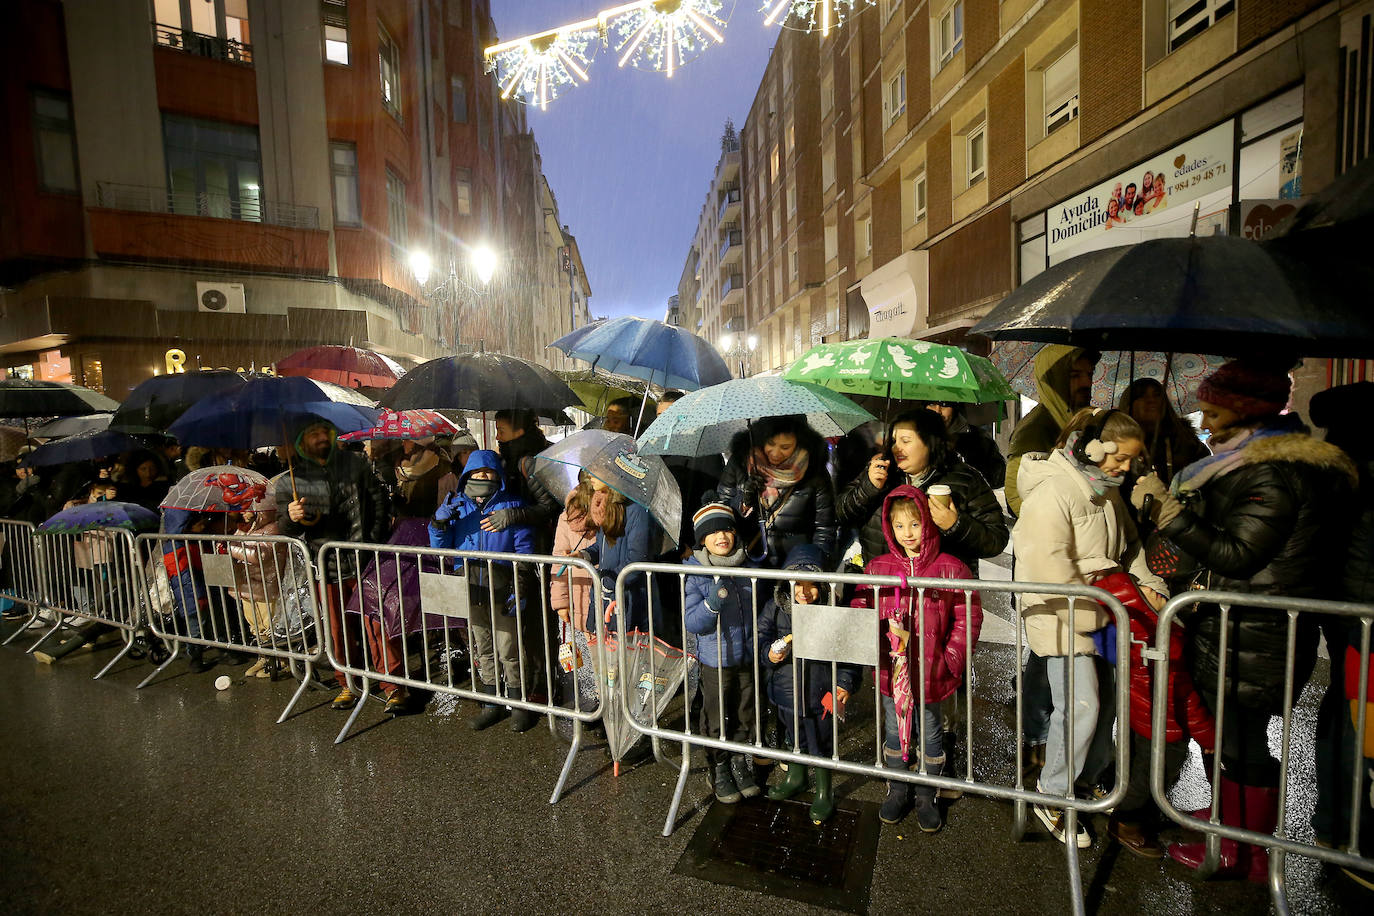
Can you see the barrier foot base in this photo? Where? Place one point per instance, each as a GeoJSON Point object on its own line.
{"type": "Point", "coordinates": [23, 628]}
{"type": "Point", "coordinates": [176, 651]}
{"type": "Point", "coordinates": [353, 716]}
{"type": "Point", "coordinates": [1071, 852]}
{"type": "Point", "coordinates": [1018, 823]}
{"type": "Point", "coordinates": [123, 652]}
{"type": "Point", "coordinates": [295, 697]}
{"type": "Point", "coordinates": [677, 791]}
{"type": "Point", "coordinates": [44, 638]}
{"type": "Point", "coordinates": [567, 764]}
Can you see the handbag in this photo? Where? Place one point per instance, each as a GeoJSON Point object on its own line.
{"type": "Point", "coordinates": [1167, 560]}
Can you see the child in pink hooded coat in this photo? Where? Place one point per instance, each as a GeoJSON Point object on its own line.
{"type": "Point", "coordinates": [947, 629]}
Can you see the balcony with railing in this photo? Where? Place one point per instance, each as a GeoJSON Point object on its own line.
{"type": "Point", "coordinates": [730, 203]}
{"type": "Point", "coordinates": [201, 45]}
{"type": "Point", "coordinates": [732, 289]}
{"type": "Point", "coordinates": [152, 223]}
{"type": "Point", "coordinates": [731, 247]}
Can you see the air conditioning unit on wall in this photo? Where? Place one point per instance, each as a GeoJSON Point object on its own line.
{"type": "Point", "coordinates": [220, 297]}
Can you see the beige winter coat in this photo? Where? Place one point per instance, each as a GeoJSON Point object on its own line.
{"type": "Point", "coordinates": [1069, 534]}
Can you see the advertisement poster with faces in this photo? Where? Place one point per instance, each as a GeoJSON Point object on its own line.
{"type": "Point", "coordinates": [1171, 179]}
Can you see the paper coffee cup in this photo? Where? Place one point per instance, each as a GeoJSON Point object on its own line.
{"type": "Point", "coordinates": [222, 682]}
{"type": "Point", "coordinates": [940, 494]}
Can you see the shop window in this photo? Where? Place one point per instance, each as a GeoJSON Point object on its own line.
{"type": "Point", "coordinates": [459, 106]}
{"type": "Point", "coordinates": [976, 148]}
{"type": "Point", "coordinates": [918, 196]}
{"type": "Point", "coordinates": [894, 98]}
{"type": "Point", "coordinates": [343, 166]}
{"type": "Point", "coordinates": [213, 168]}
{"type": "Point", "coordinates": [949, 33]}
{"type": "Point", "coordinates": [93, 373]}
{"type": "Point", "coordinates": [54, 137]}
{"type": "Point", "coordinates": [389, 56]}
{"type": "Point", "coordinates": [396, 210]}
{"type": "Point", "coordinates": [462, 190]}
{"type": "Point", "coordinates": [1061, 91]}
{"type": "Point", "coordinates": [334, 17]}
{"type": "Point", "coordinates": [206, 28]}
{"type": "Point", "coordinates": [773, 163]}
{"type": "Point", "coordinates": [1190, 18]}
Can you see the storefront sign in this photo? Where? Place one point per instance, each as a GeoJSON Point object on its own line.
{"type": "Point", "coordinates": [1178, 176]}
{"type": "Point", "coordinates": [896, 295]}
{"type": "Point", "coordinates": [175, 360]}
{"type": "Point", "coordinates": [1258, 218]}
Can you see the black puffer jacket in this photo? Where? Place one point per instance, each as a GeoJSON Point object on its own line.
{"type": "Point", "coordinates": [805, 514]}
{"type": "Point", "coordinates": [542, 508]}
{"type": "Point", "coordinates": [1278, 524]}
{"type": "Point", "coordinates": [980, 531]}
{"type": "Point", "coordinates": [348, 504]}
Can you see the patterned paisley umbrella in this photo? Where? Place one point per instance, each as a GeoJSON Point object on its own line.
{"type": "Point", "coordinates": [903, 370]}
{"type": "Point", "coordinates": [105, 514]}
{"type": "Point", "coordinates": [703, 422]}
{"type": "Point", "coordinates": [1179, 373]}
{"type": "Point", "coordinates": [222, 488]}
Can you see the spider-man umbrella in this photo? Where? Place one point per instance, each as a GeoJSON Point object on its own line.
{"type": "Point", "coordinates": [223, 488]}
{"type": "Point", "coordinates": [406, 424]}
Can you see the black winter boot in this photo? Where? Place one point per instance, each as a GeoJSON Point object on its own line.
{"type": "Point", "coordinates": [928, 816]}
{"type": "Point", "coordinates": [898, 801]}
{"type": "Point", "coordinates": [491, 712]}
{"type": "Point", "coordinates": [196, 661]}
{"type": "Point", "coordinates": [742, 768]}
{"type": "Point", "coordinates": [723, 783]}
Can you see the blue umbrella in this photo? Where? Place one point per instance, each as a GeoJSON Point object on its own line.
{"type": "Point", "coordinates": [269, 411]}
{"type": "Point", "coordinates": [157, 402]}
{"type": "Point", "coordinates": [651, 350]}
{"type": "Point", "coordinates": [614, 459]}
{"type": "Point", "coordinates": [105, 514]}
{"type": "Point", "coordinates": [87, 446]}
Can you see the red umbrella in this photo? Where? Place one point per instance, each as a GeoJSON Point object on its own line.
{"type": "Point", "coordinates": [405, 424]}
{"type": "Point", "coordinates": [351, 367]}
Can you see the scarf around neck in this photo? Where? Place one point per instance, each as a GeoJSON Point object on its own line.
{"type": "Point", "coordinates": [731, 560]}
{"type": "Point", "coordinates": [1098, 479]}
{"type": "Point", "coordinates": [778, 477]}
{"type": "Point", "coordinates": [1227, 451]}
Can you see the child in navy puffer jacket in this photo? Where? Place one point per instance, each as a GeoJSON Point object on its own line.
{"type": "Point", "coordinates": [720, 611]}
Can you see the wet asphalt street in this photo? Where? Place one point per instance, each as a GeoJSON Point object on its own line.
{"type": "Point", "coordinates": [183, 799]}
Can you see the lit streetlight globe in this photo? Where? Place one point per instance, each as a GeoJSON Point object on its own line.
{"type": "Point", "coordinates": [484, 262]}
{"type": "Point", "coordinates": [420, 266]}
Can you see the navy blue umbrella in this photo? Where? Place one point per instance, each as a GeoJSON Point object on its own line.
{"type": "Point", "coordinates": [156, 403]}
{"type": "Point", "coordinates": [270, 411]}
{"type": "Point", "coordinates": [87, 446]}
{"type": "Point", "coordinates": [646, 349]}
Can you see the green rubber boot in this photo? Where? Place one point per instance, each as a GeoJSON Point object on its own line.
{"type": "Point", "coordinates": [823, 804]}
{"type": "Point", "coordinates": [791, 784]}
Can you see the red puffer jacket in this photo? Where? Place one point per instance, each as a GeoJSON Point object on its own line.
{"type": "Point", "coordinates": [1186, 716]}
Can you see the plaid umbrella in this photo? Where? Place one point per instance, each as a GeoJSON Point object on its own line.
{"type": "Point", "coordinates": [406, 424]}
{"type": "Point", "coordinates": [223, 488]}
{"type": "Point", "coordinates": [108, 514]}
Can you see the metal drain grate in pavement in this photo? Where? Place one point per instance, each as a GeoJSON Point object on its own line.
{"type": "Point", "coordinates": [773, 848]}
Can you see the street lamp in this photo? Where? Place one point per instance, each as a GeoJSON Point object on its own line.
{"type": "Point", "coordinates": [483, 263]}
{"type": "Point", "coordinates": [740, 346]}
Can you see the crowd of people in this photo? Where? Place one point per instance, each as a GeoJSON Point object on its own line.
{"type": "Point", "coordinates": [1127, 498]}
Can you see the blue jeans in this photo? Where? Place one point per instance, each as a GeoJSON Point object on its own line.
{"type": "Point", "coordinates": [1092, 715]}
{"type": "Point", "coordinates": [934, 732]}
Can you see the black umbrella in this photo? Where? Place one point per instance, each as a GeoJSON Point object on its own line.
{"type": "Point", "coordinates": [482, 382]}
{"type": "Point", "coordinates": [1217, 294]}
{"type": "Point", "coordinates": [1347, 199]}
{"type": "Point", "coordinates": [157, 403]}
{"type": "Point", "coordinates": [87, 446]}
{"type": "Point", "coordinates": [28, 398]}
{"type": "Point", "coordinates": [71, 426]}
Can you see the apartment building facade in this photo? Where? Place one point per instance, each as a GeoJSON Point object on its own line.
{"type": "Point", "coordinates": [948, 150]}
{"type": "Point", "coordinates": [236, 179]}
{"type": "Point", "coordinates": [710, 293]}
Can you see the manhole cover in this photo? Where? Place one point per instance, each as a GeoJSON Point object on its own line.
{"type": "Point", "coordinates": [773, 848]}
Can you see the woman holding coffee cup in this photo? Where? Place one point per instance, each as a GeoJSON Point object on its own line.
{"type": "Point", "coordinates": [962, 505]}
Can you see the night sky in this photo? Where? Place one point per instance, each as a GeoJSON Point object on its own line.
{"type": "Point", "coordinates": [630, 154]}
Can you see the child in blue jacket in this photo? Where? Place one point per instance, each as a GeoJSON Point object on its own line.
{"type": "Point", "coordinates": [805, 722]}
{"type": "Point", "coordinates": [720, 611]}
{"type": "Point", "coordinates": [462, 522]}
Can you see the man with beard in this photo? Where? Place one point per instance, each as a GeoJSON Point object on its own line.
{"type": "Point", "coordinates": [1064, 381]}
{"type": "Point", "coordinates": [334, 496]}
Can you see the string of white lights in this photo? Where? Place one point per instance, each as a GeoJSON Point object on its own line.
{"type": "Point", "coordinates": [656, 35]}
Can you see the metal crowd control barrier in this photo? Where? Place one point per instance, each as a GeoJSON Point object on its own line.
{"type": "Point", "coordinates": [496, 605]}
{"type": "Point", "coordinates": [851, 636]}
{"type": "Point", "coordinates": [90, 575]}
{"type": "Point", "coordinates": [20, 578]}
{"type": "Point", "coordinates": [237, 593]}
{"type": "Point", "coordinates": [1227, 603]}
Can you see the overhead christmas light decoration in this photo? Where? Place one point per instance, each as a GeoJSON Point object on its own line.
{"type": "Point", "coordinates": [537, 67]}
{"type": "Point", "coordinates": [663, 35]}
{"type": "Point", "coordinates": [812, 15]}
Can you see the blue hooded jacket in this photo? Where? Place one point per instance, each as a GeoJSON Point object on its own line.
{"type": "Point", "coordinates": [457, 525]}
{"type": "Point", "coordinates": [735, 643]}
